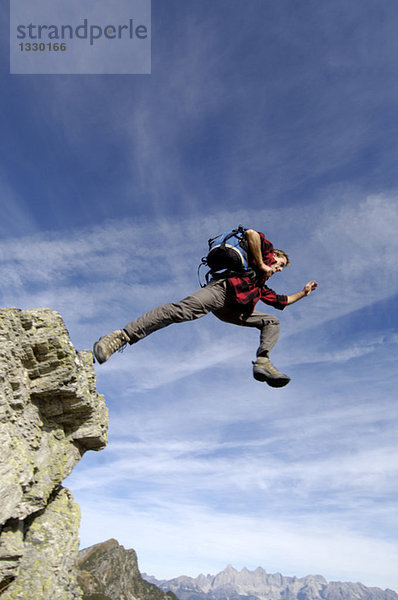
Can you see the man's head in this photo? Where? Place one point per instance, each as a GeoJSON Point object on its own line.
{"type": "Point", "coordinates": [280, 260]}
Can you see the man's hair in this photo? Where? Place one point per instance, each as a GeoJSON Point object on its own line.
{"type": "Point", "coordinates": [283, 254]}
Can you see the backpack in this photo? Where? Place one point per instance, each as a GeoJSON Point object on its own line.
{"type": "Point", "coordinates": [227, 255]}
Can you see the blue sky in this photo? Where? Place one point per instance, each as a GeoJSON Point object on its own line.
{"type": "Point", "coordinates": [281, 116]}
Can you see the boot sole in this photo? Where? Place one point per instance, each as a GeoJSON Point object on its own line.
{"type": "Point", "coordinates": [98, 355]}
{"type": "Point", "coordinates": [275, 383]}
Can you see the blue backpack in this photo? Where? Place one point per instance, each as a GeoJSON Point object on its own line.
{"type": "Point", "coordinates": [227, 254]}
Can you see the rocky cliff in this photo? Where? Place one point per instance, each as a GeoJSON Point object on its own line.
{"type": "Point", "coordinates": [50, 415]}
{"type": "Point", "coordinates": [109, 572]}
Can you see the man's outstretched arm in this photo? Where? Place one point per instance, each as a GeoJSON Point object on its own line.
{"type": "Point", "coordinates": [308, 288]}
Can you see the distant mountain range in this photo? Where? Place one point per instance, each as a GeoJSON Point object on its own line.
{"type": "Point", "coordinates": [107, 571]}
{"type": "Point", "coordinates": [231, 584]}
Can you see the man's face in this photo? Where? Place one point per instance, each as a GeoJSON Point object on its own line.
{"type": "Point", "coordinates": [278, 263]}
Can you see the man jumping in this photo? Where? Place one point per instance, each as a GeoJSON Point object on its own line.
{"type": "Point", "coordinates": [231, 298]}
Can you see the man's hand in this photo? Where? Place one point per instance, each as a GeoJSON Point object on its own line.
{"type": "Point", "coordinates": [268, 271]}
{"type": "Point", "coordinates": [308, 288]}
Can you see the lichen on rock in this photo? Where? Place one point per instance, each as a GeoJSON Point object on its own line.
{"type": "Point", "coordinates": [50, 415]}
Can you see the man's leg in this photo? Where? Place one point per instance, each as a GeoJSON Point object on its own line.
{"type": "Point", "coordinates": [196, 305]}
{"type": "Point", "coordinates": [200, 303]}
{"type": "Point", "coordinates": [269, 327]}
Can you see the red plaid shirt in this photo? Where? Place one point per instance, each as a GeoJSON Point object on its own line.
{"type": "Point", "coordinates": [247, 291]}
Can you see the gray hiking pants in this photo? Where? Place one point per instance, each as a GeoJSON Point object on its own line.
{"type": "Point", "coordinates": [213, 298]}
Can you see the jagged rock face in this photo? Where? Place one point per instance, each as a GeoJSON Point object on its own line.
{"type": "Point", "coordinates": [47, 567]}
{"type": "Point", "coordinates": [259, 585]}
{"type": "Point", "coordinates": [50, 414]}
{"type": "Point", "coordinates": [109, 572]}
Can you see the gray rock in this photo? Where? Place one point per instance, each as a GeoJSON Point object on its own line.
{"type": "Point", "coordinates": [50, 415]}
{"type": "Point", "coordinates": [47, 565]}
{"type": "Point", "coordinates": [108, 571]}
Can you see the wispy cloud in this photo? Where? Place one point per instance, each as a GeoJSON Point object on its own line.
{"type": "Point", "coordinates": [351, 252]}
{"type": "Point", "coordinates": [102, 277]}
{"type": "Point", "coordinates": [305, 466]}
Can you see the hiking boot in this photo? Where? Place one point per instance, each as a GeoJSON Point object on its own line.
{"type": "Point", "coordinates": [264, 370]}
{"type": "Point", "coordinates": [109, 344]}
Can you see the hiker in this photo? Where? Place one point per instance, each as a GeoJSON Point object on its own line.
{"type": "Point", "coordinates": [231, 296]}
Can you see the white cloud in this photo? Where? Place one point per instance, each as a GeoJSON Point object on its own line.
{"type": "Point", "coordinates": [307, 464]}
{"type": "Point", "coordinates": [345, 478]}
{"type": "Point", "coordinates": [102, 277]}
{"type": "Point", "coordinates": [351, 252]}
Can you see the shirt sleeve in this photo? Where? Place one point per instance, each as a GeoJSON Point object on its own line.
{"type": "Point", "coordinates": [268, 296]}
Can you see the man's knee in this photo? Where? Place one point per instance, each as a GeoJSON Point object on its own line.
{"type": "Point", "coordinates": [269, 321]}
{"type": "Point", "coordinates": [275, 321]}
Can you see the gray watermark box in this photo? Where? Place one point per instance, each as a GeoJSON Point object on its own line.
{"type": "Point", "coordinates": [102, 37]}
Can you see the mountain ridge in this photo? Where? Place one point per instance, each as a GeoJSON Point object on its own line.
{"type": "Point", "coordinates": [107, 571]}
{"type": "Point", "coordinates": [231, 584]}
